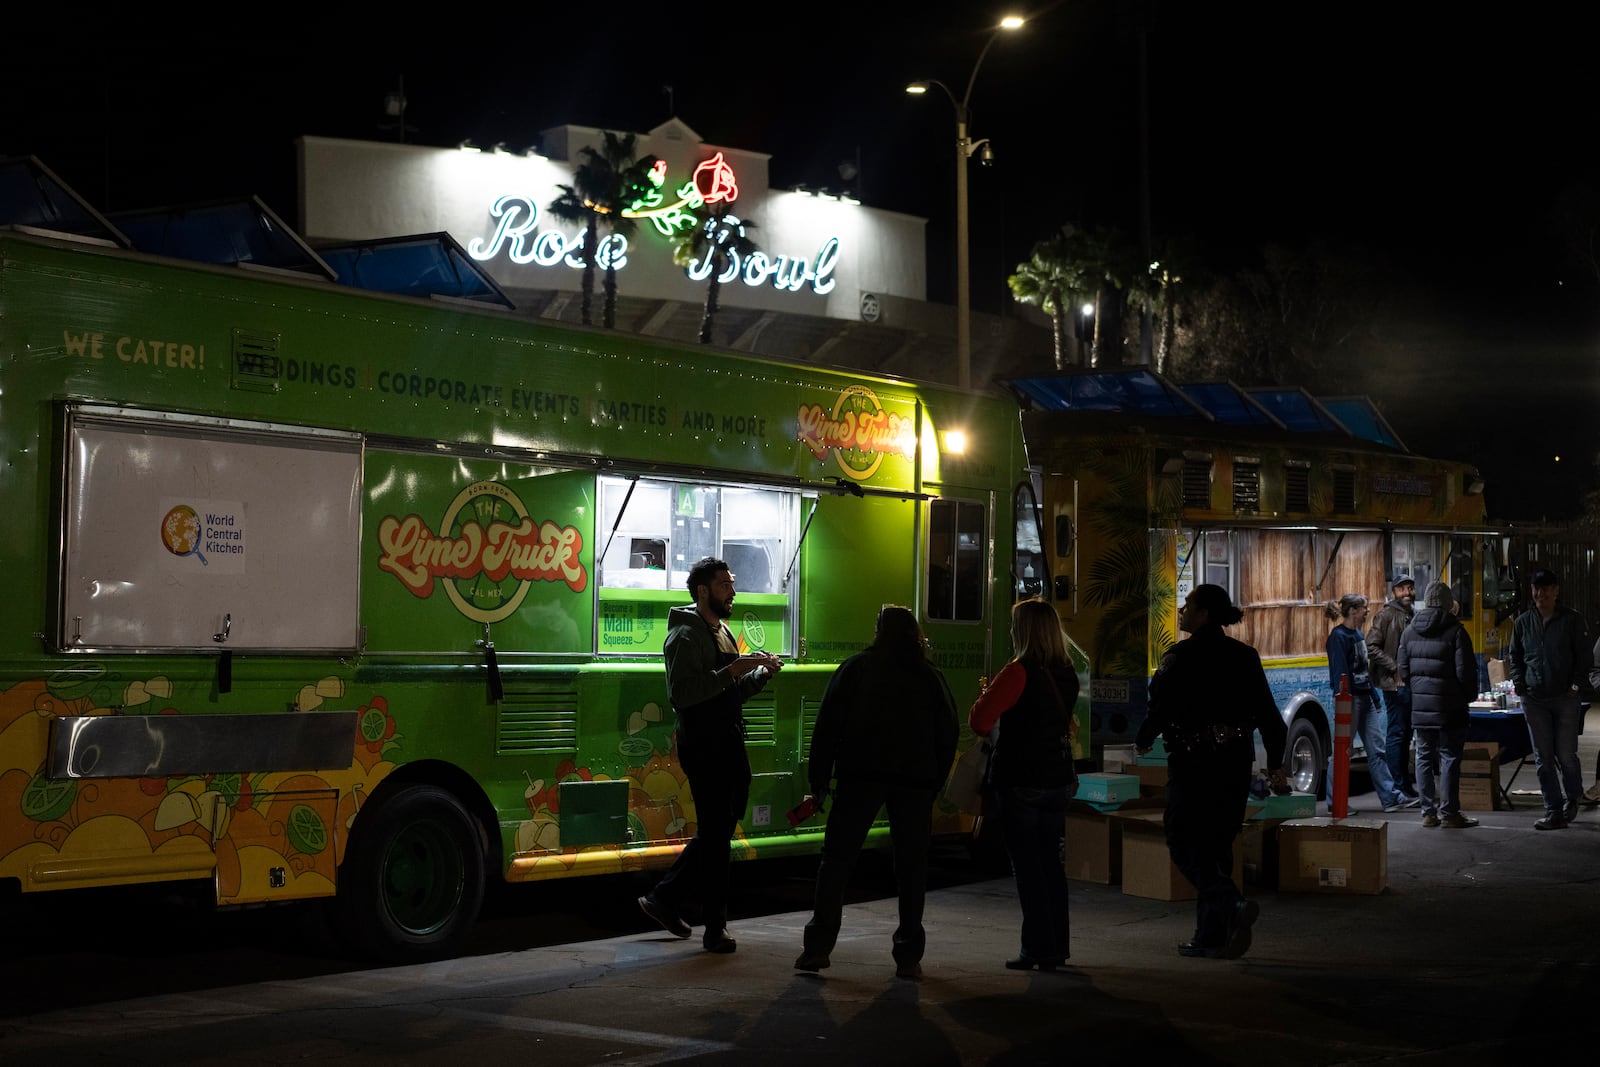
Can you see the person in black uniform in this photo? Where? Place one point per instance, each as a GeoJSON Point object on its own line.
{"type": "Point", "coordinates": [1207, 699]}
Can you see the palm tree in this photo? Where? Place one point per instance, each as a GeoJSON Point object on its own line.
{"type": "Point", "coordinates": [1052, 281]}
{"type": "Point", "coordinates": [1108, 262]}
{"type": "Point", "coordinates": [573, 206]}
{"type": "Point", "coordinates": [709, 250]}
{"type": "Point", "coordinates": [606, 183]}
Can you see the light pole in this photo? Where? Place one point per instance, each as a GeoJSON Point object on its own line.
{"type": "Point", "coordinates": [965, 149]}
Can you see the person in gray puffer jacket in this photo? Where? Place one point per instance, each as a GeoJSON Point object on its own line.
{"type": "Point", "coordinates": [1435, 660]}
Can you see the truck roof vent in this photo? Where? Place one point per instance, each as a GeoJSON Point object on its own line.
{"type": "Point", "coordinates": [256, 364]}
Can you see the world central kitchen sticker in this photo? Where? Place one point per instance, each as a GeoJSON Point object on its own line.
{"type": "Point", "coordinates": [204, 535]}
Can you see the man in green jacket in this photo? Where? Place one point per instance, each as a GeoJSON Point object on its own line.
{"type": "Point", "coordinates": [708, 682]}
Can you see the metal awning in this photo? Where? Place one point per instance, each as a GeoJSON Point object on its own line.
{"type": "Point", "coordinates": [1230, 404]}
{"type": "Point", "coordinates": [1134, 392]}
{"type": "Point", "coordinates": [1362, 418]}
{"type": "Point", "coordinates": [1298, 410]}
{"type": "Point", "coordinates": [241, 232]}
{"type": "Point", "coordinates": [32, 195]}
{"type": "Point", "coordinates": [425, 265]}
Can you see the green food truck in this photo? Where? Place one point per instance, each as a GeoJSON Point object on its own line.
{"type": "Point", "coordinates": [313, 591]}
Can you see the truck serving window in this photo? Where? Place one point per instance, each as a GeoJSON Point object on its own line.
{"type": "Point", "coordinates": [651, 531]}
{"type": "Point", "coordinates": [194, 534]}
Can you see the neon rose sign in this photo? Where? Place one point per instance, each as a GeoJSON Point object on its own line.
{"type": "Point", "coordinates": [517, 233]}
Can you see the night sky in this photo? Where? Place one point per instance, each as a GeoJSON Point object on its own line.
{"type": "Point", "coordinates": [1435, 140]}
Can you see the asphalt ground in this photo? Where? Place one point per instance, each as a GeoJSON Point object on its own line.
{"type": "Point", "coordinates": [1482, 949]}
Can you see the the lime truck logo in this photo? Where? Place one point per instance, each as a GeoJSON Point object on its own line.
{"type": "Point", "coordinates": [859, 432]}
{"type": "Point", "coordinates": [486, 552]}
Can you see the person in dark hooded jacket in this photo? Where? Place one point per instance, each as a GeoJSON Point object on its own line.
{"type": "Point", "coordinates": [1436, 661]}
{"type": "Point", "coordinates": [884, 739]}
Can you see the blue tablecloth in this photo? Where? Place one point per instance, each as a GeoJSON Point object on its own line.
{"type": "Point", "coordinates": [1508, 729]}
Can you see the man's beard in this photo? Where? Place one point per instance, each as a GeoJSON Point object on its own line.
{"type": "Point", "coordinates": [722, 609]}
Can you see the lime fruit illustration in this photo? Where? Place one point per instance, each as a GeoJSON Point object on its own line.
{"type": "Point", "coordinates": [180, 530]}
{"type": "Point", "coordinates": [754, 631]}
{"type": "Point", "coordinates": [372, 725]}
{"type": "Point", "coordinates": [305, 830]}
{"type": "Point", "coordinates": [47, 799]}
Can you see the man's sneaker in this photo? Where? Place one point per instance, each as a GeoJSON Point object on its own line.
{"type": "Point", "coordinates": [1570, 812]}
{"type": "Point", "coordinates": [1410, 800]}
{"type": "Point", "coordinates": [812, 961]}
{"type": "Point", "coordinates": [1552, 821]}
{"type": "Point", "coordinates": [1430, 820]}
{"type": "Point", "coordinates": [1591, 796]}
{"type": "Point", "coordinates": [1390, 809]}
{"type": "Point", "coordinates": [1457, 821]}
{"type": "Point", "coordinates": [911, 970]}
{"type": "Point", "coordinates": [669, 920]}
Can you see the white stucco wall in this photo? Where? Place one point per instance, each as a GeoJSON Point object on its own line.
{"type": "Point", "coordinates": [358, 190]}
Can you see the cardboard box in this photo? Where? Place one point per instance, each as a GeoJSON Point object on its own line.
{"type": "Point", "coordinates": [1152, 776]}
{"type": "Point", "coordinates": [1291, 806]}
{"type": "Point", "coordinates": [1329, 856]}
{"type": "Point", "coordinates": [1094, 846]}
{"type": "Point", "coordinates": [1115, 759]}
{"type": "Point", "coordinates": [1480, 794]}
{"type": "Point", "coordinates": [1108, 788]}
{"type": "Point", "coordinates": [1147, 867]}
{"type": "Point", "coordinates": [1480, 757]}
{"type": "Point", "coordinates": [1480, 776]}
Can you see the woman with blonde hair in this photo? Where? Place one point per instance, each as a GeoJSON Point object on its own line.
{"type": "Point", "coordinates": [1026, 713]}
{"type": "Point", "coordinates": [1347, 655]}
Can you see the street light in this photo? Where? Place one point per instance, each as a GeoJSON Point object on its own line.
{"type": "Point", "coordinates": [965, 149]}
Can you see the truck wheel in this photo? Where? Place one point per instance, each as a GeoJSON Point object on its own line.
{"type": "Point", "coordinates": [1304, 760]}
{"type": "Point", "coordinates": [413, 878]}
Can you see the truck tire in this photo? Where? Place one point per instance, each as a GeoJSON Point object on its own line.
{"type": "Point", "coordinates": [412, 881]}
{"type": "Point", "coordinates": [1305, 759]}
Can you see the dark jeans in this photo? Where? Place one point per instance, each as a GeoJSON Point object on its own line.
{"type": "Point", "coordinates": [1398, 703]}
{"type": "Point", "coordinates": [1439, 769]}
{"type": "Point", "coordinates": [1035, 822]}
{"type": "Point", "coordinates": [855, 805]}
{"type": "Point", "coordinates": [1553, 726]}
{"type": "Point", "coordinates": [1205, 808]}
{"type": "Point", "coordinates": [718, 770]}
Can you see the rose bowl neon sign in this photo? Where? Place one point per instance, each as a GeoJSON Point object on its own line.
{"type": "Point", "coordinates": [518, 234]}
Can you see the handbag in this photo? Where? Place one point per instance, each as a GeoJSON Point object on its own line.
{"type": "Point", "coordinates": [968, 778]}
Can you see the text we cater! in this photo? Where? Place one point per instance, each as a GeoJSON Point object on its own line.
{"type": "Point", "coordinates": [517, 233]}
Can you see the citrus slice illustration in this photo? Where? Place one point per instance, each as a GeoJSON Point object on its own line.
{"type": "Point", "coordinates": [754, 630]}
{"type": "Point", "coordinates": [47, 799]}
{"type": "Point", "coordinates": [305, 830]}
{"type": "Point", "coordinates": [372, 725]}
